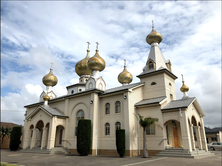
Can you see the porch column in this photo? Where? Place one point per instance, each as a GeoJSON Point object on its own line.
{"type": "Point", "coordinates": [52, 130]}
{"type": "Point", "coordinates": [43, 143]}
{"type": "Point", "coordinates": [199, 143]}
{"type": "Point", "coordinates": [185, 132]}
{"type": "Point", "coordinates": [192, 137]}
{"type": "Point", "coordinates": [27, 138]}
{"type": "Point", "coordinates": [33, 138]}
{"type": "Point", "coordinates": [203, 135]}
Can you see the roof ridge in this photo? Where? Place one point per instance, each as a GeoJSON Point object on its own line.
{"type": "Point", "coordinates": [125, 86]}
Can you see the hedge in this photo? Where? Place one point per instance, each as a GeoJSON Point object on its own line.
{"type": "Point", "coordinates": [84, 137]}
{"type": "Point", "coordinates": [15, 138]}
{"type": "Point", "coordinates": [120, 142]}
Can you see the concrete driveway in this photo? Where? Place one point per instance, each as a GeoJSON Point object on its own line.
{"type": "Point", "coordinates": [33, 159]}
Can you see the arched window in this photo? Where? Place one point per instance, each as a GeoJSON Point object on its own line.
{"type": "Point", "coordinates": [90, 85]}
{"type": "Point", "coordinates": [107, 129]}
{"type": "Point", "coordinates": [72, 91]}
{"type": "Point", "coordinates": [100, 86]}
{"type": "Point", "coordinates": [107, 108]}
{"type": "Point", "coordinates": [118, 109]}
{"type": "Point", "coordinates": [151, 66]}
{"type": "Point", "coordinates": [79, 115]}
{"type": "Point", "coordinates": [118, 125]}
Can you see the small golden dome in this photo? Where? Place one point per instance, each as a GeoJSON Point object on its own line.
{"type": "Point", "coordinates": [154, 36]}
{"type": "Point", "coordinates": [184, 88]}
{"type": "Point", "coordinates": [46, 97]}
{"type": "Point", "coordinates": [50, 79]}
{"type": "Point", "coordinates": [125, 77]}
{"type": "Point", "coordinates": [96, 62]}
{"type": "Point", "coordinates": [82, 66]}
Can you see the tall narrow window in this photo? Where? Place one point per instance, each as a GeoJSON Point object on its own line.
{"type": "Point", "coordinates": [118, 125]}
{"type": "Point", "coordinates": [151, 65]}
{"type": "Point", "coordinates": [171, 97]}
{"type": "Point", "coordinates": [107, 129]}
{"type": "Point", "coordinates": [150, 130]}
{"type": "Point", "coordinates": [80, 115]}
{"type": "Point", "coordinates": [107, 108]}
{"type": "Point", "coordinates": [118, 108]}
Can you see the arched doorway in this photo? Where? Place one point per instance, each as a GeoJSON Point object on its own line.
{"type": "Point", "coordinates": [39, 126]}
{"type": "Point", "coordinates": [59, 136]}
{"type": "Point", "coordinates": [194, 123]}
{"type": "Point", "coordinates": [173, 133]}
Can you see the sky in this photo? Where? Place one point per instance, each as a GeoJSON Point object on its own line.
{"type": "Point", "coordinates": [36, 33]}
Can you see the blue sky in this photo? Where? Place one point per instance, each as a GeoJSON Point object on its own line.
{"type": "Point", "coordinates": [36, 33]}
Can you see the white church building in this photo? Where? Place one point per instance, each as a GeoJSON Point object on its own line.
{"type": "Point", "coordinates": [52, 122]}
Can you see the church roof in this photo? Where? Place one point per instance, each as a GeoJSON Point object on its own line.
{"type": "Point", "coordinates": [161, 69]}
{"type": "Point", "coordinates": [122, 88]}
{"type": "Point", "coordinates": [213, 131]}
{"type": "Point", "coordinates": [182, 103]}
{"type": "Point", "coordinates": [49, 110]}
{"type": "Point", "coordinates": [150, 101]}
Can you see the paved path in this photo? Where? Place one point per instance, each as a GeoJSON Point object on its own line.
{"type": "Point", "coordinates": [33, 159]}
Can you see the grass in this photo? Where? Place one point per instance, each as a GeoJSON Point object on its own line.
{"type": "Point", "coordinates": [5, 164]}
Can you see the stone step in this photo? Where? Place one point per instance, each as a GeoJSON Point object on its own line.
{"type": "Point", "coordinates": [185, 156]}
{"type": "Point", "coordinates": [183, 153]}
{"type": "Point", "coordinates": [59, 150]}
{"type": "Point", "coordinates": [36, 150]}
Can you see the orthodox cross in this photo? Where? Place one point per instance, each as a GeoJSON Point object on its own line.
{"type": "Point", "coordinates": [51, 64]}
{"type": "Point", "coordinates": [97, 45]}
{"type": "Point", "coordinates": [124, 62]}
{"type": "Point", "coordinates": [88, 45]}
{"type": "Point", "coordinates": [152, 24]}
{"type": "Point", "coordinates": [182, 77]}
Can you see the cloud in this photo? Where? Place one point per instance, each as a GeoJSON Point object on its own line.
{"type": "Point", "coordinates": [31, 40]}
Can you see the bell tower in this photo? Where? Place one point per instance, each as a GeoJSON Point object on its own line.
{"type": "Point", "coordinates": [157, 74]}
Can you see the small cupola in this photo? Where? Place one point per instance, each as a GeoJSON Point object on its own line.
{"type": "Point", "coordinates": [125, 77]}
{"type": "Point", "coordinates": [184, 89]}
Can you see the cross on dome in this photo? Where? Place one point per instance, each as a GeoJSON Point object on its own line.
{"type": "Point", "coordinates": [51, 64]}
{"type": "Point", "coordinates": [124, 62]}
{"type": "Point", "coordinates": [152, 24]}
{"type": "Point", "coordinates": [182, 77]}
{"type": "Point", "coordinates": [97, 44]}
{"type": "Point", "coordinates": [88, 45]}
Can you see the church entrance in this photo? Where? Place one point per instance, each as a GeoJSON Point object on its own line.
{"type": "Point", "coordinates": [175, 136]}
{"type": "Point", "coordinates": [39, 127]}
{"type": "Point", "coordinates": [59, 136]}
{"type": "Point", "coordinates": [173, 133]}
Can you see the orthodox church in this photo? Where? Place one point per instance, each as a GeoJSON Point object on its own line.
{"type": "Point", "coordinates": [52, 122]}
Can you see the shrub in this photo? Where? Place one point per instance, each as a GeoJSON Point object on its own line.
{"type": "Point", "coordinates": [120, 142]}
{"type": "Point", "coordinates": [84, 137]}
{"type": "Point", "coordinates": [15, 138]}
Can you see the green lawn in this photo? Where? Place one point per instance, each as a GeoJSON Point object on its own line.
{"type": "Point", "coordinates": [4, 164]}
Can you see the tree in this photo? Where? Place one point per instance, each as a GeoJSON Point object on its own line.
{"type": "Point", "coordinates": [120, 142]}
{"type": "Point", "coordinates": [84, 137]}
{"type": "Point", "coordinates": [144, 122]}
{"type": "Point", "coordinates": [5, 132]}
{"type": "Point", "coordinates": [15, 138]}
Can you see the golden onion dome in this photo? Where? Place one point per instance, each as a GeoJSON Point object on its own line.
{"type": "Point", "coordinates": [184, 88]}
{"type": "Point", "coordinates": [96, 62]}
{"type": "Point", "coordinates": [154, 36]}
{"type": "Point", "coordinates": [50, 79]}
{"type": "Point", "coordinates": [82, 66]}
{"type": "Point", "coordinates": [46, 97]}
{"type": "Point", "coordinates": [125, 77]}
